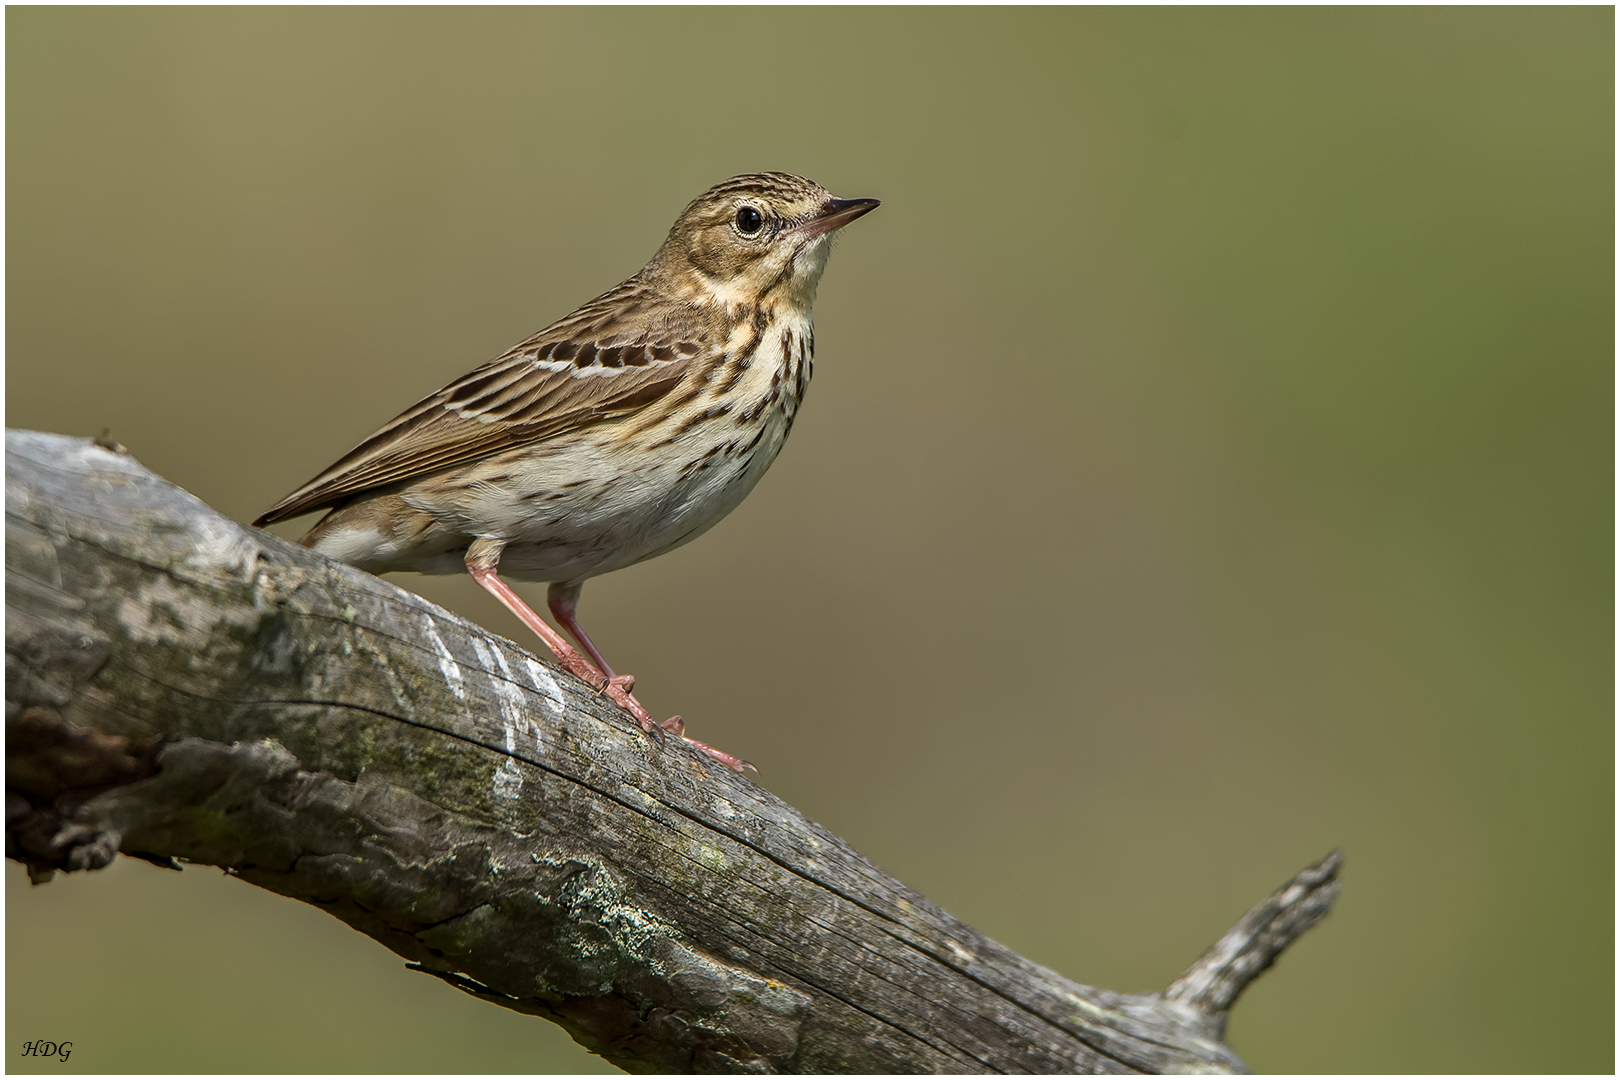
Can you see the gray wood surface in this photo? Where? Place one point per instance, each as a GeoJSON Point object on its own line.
{"type": "Point", "coordinates": [182, 687]}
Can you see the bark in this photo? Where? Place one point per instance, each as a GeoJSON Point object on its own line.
{"type": "Point", "coordinates": [182, 687]}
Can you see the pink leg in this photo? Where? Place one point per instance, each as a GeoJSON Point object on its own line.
{"type": "Point", "coordinates": [563, 600]}
{"type": "Point", "coordinates": [614, 686]}
{"type": "Point", "coordinates": [567, 655]}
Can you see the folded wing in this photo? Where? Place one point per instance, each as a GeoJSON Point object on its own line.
{"type": "Point", "coordinates": [568, 377]}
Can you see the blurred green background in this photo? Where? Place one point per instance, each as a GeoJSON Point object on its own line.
{"type": "Point", "coordinates": [1209, 463]}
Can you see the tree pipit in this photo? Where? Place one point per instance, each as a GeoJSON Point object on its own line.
{"type": "Point", "coordinates": [617, 433]}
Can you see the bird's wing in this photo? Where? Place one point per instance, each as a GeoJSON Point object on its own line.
{"type": "Point", "coordinates": [587, 368]}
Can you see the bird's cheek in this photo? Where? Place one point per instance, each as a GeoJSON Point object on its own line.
{"type": "Point", "coordinates": [708, 254]}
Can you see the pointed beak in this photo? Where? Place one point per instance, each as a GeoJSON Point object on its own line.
{"type": "Point", "coordinates": [836, 213]}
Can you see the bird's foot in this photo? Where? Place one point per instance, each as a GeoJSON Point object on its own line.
{"type": "Point", "coordinates": [618, 688]}
{"type": "Point", "coordinates": [574, 662]}
{"type": "Point", "coordinates": [615, 687]}
{"type": "Point", "coordinates": [735, 764]}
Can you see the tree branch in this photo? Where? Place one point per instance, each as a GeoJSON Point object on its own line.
{"type": "Point", "coordinates": [179, 686]}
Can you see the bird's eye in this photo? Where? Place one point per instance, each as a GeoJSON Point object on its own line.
{"type": "Point", "coordinates": [750, 221]}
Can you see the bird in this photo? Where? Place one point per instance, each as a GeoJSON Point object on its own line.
{"type": "Point", "coordinates": [618, 433]}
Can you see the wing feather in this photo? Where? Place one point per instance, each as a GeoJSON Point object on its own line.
{"type": "Point", "coordinates": [578, 372]}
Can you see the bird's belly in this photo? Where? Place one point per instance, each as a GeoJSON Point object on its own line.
{"type": "Point", "coordinates": [606, 516]}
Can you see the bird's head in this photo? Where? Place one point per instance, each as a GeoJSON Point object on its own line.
{"type": "Point", "coordinates": [756, 240]}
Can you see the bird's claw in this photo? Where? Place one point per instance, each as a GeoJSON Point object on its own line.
{"type": "Point", "coordinates": [677, 727]}
{"type": "Point", "coordinates": [735, 764]}
{"type": "Point", "coordinates": [618, 687]}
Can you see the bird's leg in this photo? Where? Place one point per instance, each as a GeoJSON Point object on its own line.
{"type": "Point", "coordinates": [570, 658]}
{"type": "Point", "coordinates": [563, 600]}
{"type": "Point", "coordinates": [482, 558]}
{"type": "Point", "coordinates": [567, 655]}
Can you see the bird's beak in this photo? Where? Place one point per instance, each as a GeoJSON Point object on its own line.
{"type": "Point", "coordinates": [835, 214]}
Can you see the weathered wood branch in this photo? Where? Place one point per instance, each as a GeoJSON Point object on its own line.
{"type": "Point", "coordinates": [181, 687]}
